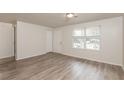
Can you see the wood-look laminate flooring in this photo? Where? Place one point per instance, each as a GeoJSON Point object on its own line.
{"type": "Point", "coordinates": [53, 66]}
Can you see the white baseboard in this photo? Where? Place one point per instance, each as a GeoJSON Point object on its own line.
{"type": "Point", "coordinates": [92, 59]}
{"type": "Point", "coordinates": [17, 59]}
{"type": "Point", "coordinates": [6, 59]}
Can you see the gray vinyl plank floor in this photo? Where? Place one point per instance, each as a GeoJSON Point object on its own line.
{"type": "Point", "coordinates": [54, 66]}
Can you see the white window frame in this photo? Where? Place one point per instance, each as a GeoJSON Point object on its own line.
{"type": "Point", "coordinates": [85, 38]}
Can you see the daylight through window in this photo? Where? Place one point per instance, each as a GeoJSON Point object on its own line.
{"type": "Point", "coordinates": [87, 38]}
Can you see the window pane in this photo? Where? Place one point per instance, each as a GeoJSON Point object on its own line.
{"type": "Point", "coordinates": [93, 31]}
{"type": "Point", "coordinates": [78, 43]}
{"type": "Point", "coordinates": [78, 33]}
{"type": "Point", "coordinates": [92, 43]}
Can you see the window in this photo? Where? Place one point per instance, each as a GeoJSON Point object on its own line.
{"type": "Point", "coordinates": [87, 38]}
{"type": "Point", "coordinates": [78, 41]}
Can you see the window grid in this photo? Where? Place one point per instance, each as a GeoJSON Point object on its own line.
{"type": "Point", "coordinates": [85, 39]}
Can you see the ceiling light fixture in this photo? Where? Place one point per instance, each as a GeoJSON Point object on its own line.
{"type": "Point", "coordinates": [70, 15]}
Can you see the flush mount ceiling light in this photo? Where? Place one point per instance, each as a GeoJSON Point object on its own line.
{"type": "Point", "coordinates": [70, 15]}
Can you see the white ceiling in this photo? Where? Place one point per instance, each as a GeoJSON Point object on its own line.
{"type": "Point", "coordinates": [54, 19]}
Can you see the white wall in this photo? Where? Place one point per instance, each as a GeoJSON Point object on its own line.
{"type": "Point", "coordinates": [49, 41]}
{"type": "Point", "coordinates": [111, 50]}
{"type": "Point", "coordinates": [31, 40]}
{"type": "Point", "coordinates": [6, 40]}
{"type": "Point", "coordinates": [57, 40]}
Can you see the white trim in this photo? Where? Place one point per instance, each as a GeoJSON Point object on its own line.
{"type": "Point", "coordinates": [21, 58]}
{"type": "Point", "coordinates": [93, 59]}
{"type": "Point", "coordinates": [6, 59]}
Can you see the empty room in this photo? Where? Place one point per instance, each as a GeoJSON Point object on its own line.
{"type": "Point", "coordinates": [61, 46]}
